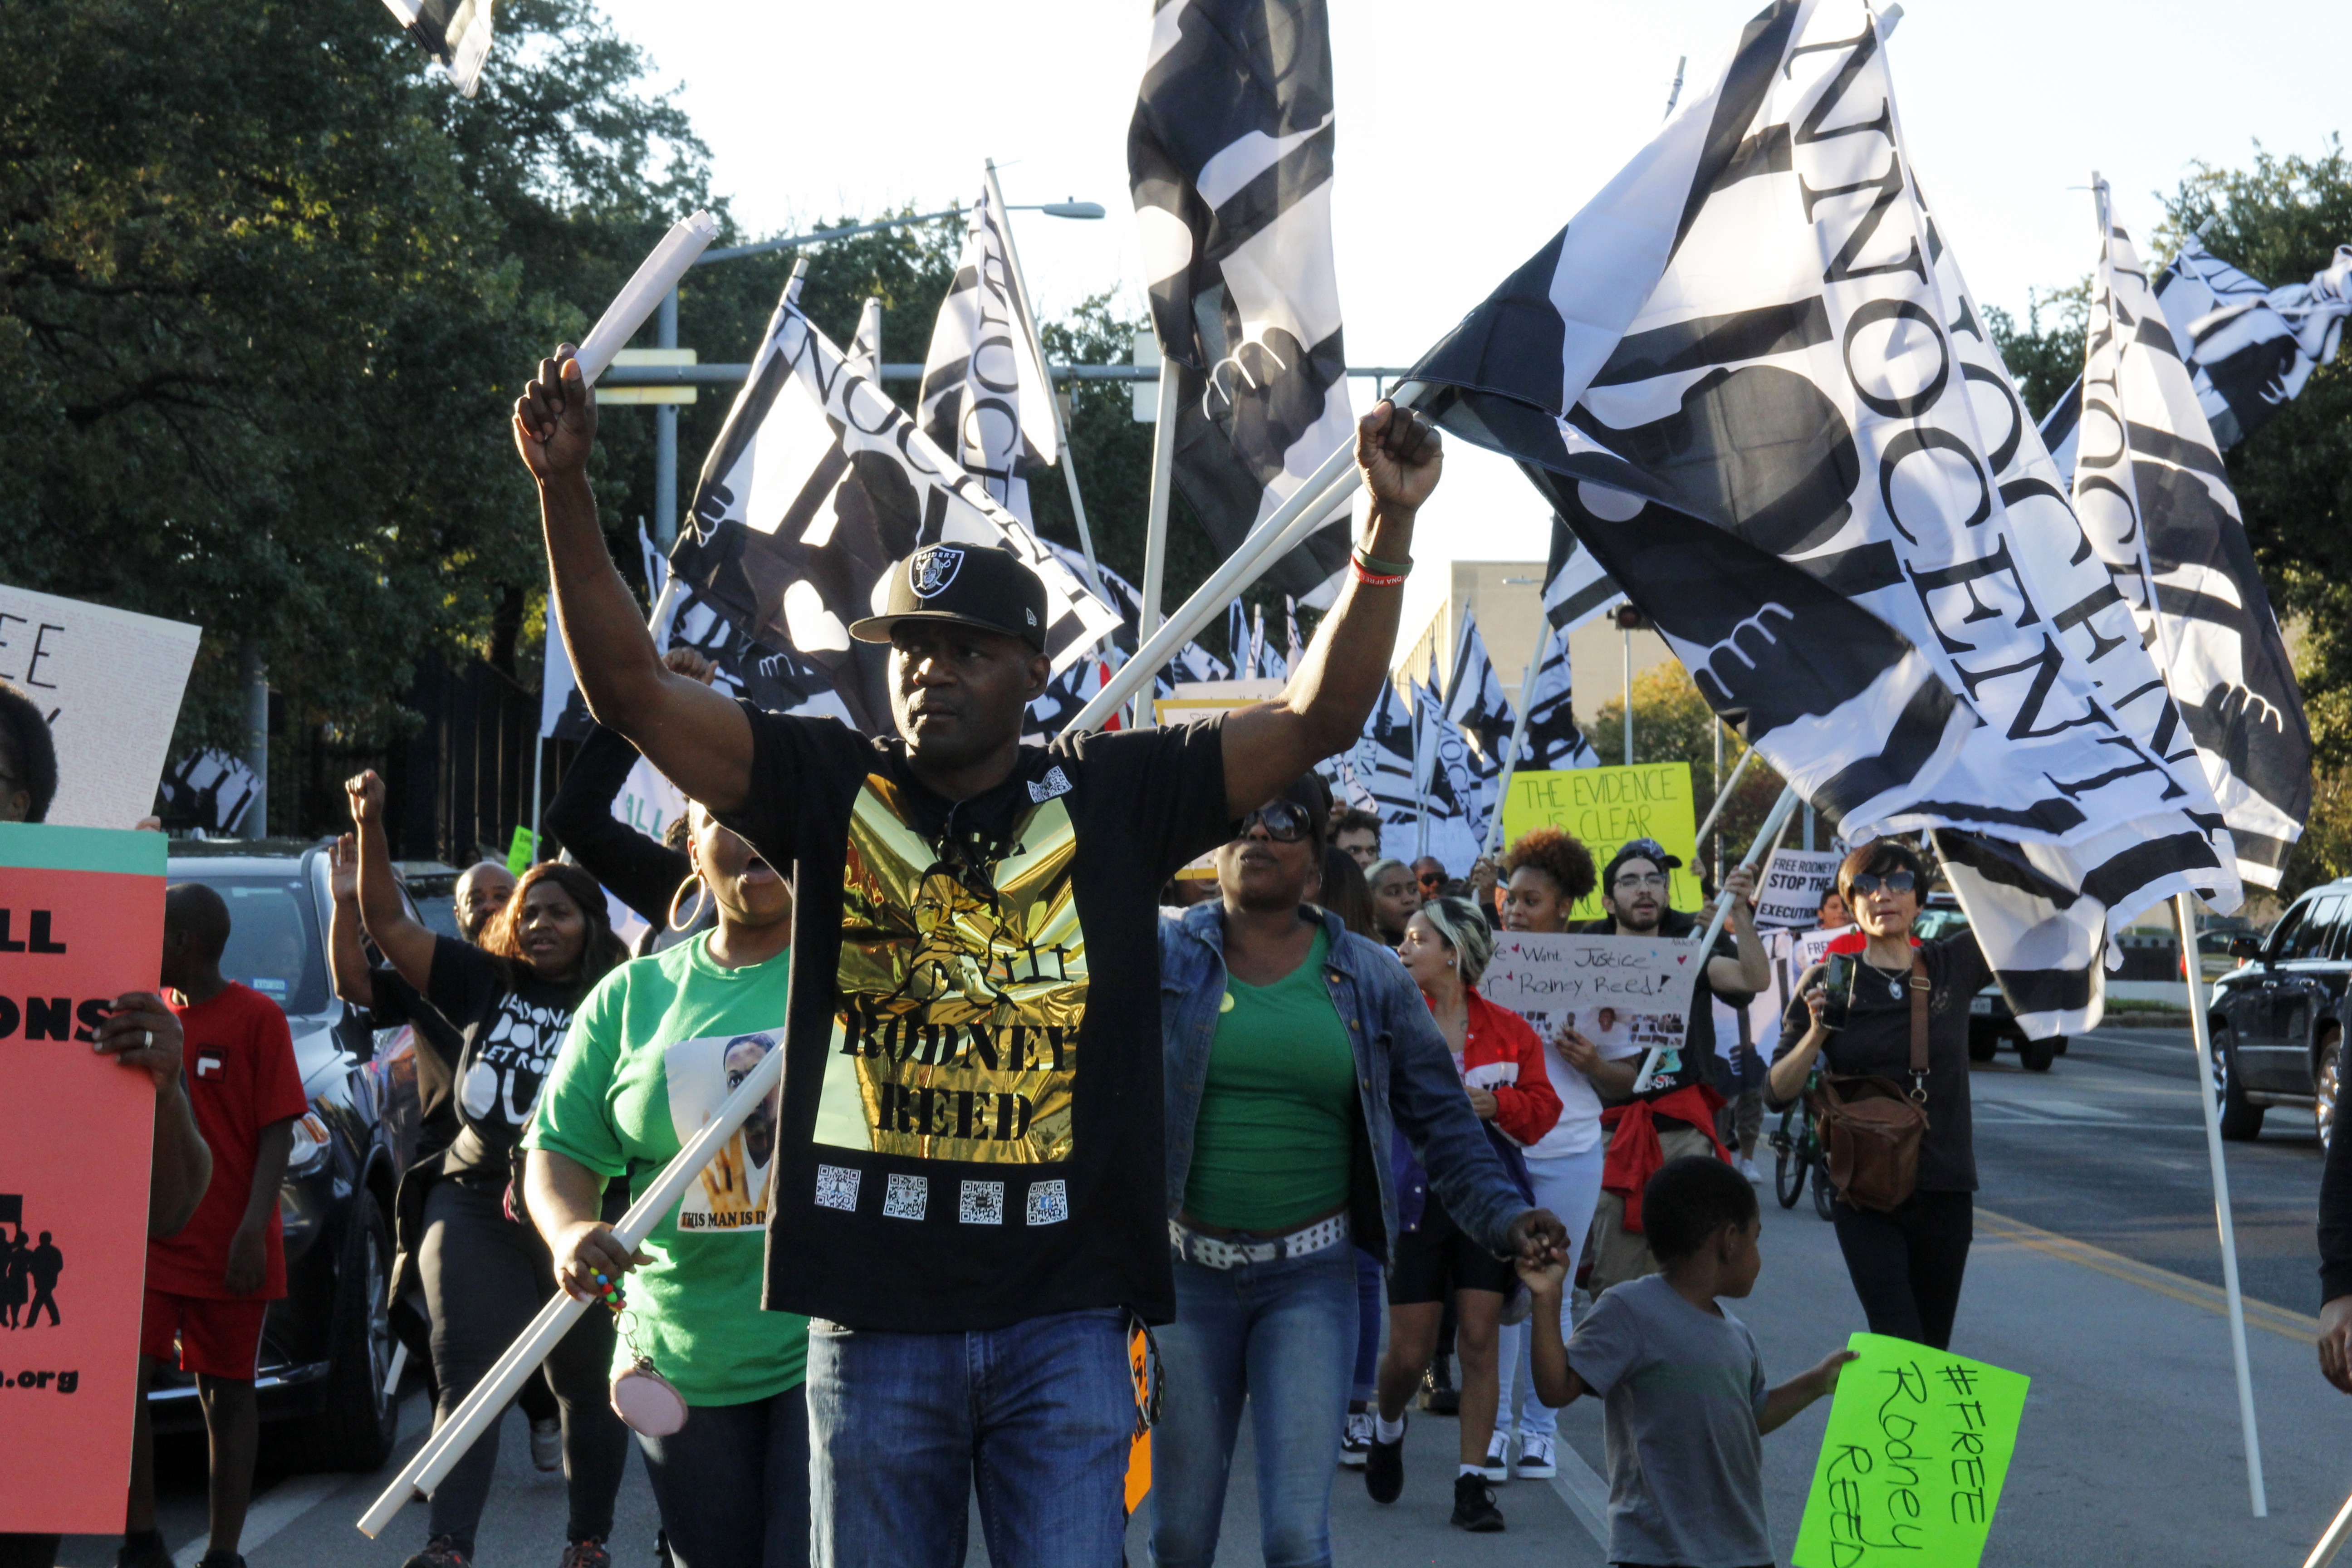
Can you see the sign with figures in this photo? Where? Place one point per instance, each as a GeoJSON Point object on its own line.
{"type": "Point", "coordinates": [81, 921]}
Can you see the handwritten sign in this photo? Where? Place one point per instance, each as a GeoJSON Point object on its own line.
{"type": "Point", "coordinates": [1794, 881]}
{"type": "Point", "coordinates": [83, 909]}
{"type": "Point", "coordinates": [1918, 1443]}
{"type": "Point", "coordinates": [1605, 808]}
{"type": "Point", "coordinates": [110, 684]}
{"type": "Point", "coordinates": [1624, 993]}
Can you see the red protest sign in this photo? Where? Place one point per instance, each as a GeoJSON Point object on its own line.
{"type": "Point", "coordinates": [81, 921]}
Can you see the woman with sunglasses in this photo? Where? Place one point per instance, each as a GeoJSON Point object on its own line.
{"type": "Point", "coordinates": [1906, 1263]}
{"type": "Point", "coordinates": [1296, 1052]}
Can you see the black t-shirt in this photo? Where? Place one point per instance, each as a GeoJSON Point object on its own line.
{"type": "Point", "coordinates": [1876, 1040]}
{"type": "Point", "coordinates": [508, 1024]}
{"type": "Point", "coordinates": [438, 1048]}
{"type": "Point", "coordinates": [972, 1120]}
{"type": "Point", "coordinates": [1698, 1034]}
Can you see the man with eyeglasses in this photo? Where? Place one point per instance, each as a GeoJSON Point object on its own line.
{"type": "Point", "coordinates": [1674, 1114]}
{"type": "Point", "coordinates": [967, 1192]}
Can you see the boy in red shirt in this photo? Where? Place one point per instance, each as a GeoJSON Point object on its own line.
{"type": "Point", "coordinates": [209, 1286]}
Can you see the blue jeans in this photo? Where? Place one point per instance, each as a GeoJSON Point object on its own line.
{"type": "Point", "coordinates": [733, 1484]}
{"type": "Point", "coordinates": [1281, 1336]}
{"type": "Point", "coordinates": [903, 1427]}
{"type": "Point", "coordinates": [1371, 1295]}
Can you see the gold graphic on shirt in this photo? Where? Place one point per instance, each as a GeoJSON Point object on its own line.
{"type": "Point", "coordinates": [960, 995]}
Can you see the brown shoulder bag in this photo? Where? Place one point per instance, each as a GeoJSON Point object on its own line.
{"type": "Point", "coordinates": [1871, 1126]}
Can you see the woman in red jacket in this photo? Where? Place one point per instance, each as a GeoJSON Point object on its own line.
{"type": "Point", "coordinates": [1446, 946]}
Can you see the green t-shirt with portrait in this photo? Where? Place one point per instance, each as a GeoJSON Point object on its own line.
{"type": "Point", "coordinates": [651, 1054]}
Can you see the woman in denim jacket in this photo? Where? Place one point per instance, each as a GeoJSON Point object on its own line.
{"type": "Point", "coordinates": [1294, 1053]}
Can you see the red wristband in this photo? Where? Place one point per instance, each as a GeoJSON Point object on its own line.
{"type": "Point", "coordinates": [1374, 579]}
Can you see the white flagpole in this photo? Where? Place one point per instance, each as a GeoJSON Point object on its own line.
{"type": "Point", "coordinates": [1155, 550]}
{"type": "Point", "coordinates": [1723, 794]}
{"type": "Point", "coordinates": [2332, 1542]}
{"type": "Point", "coordinates": [432, 1463]}
{"type": "Point", "coordinates": [1518, 733]}
{"type": "Point", "coordinates": [1054, 404]}
{"type": "Point", "coordinates": [1767, 836]}
{"type": "Point", "coordinates": [1275, 536]}
{"type": "Point", "coordinates": [2185, 917]}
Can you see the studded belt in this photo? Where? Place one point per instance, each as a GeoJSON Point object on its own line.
{"type": "Point", "coordinates": [1218, 1252]}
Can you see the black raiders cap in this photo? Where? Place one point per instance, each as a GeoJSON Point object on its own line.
{"type": "Point", "coordinates": [971, 584]}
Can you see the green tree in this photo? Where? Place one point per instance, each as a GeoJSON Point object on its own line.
{"type": "Point", "coordinates": [2044, 362]}
{"type": "Point", "coordinates": [1672, 723]}
{"type": "Point", "coordinates": [267, 288]}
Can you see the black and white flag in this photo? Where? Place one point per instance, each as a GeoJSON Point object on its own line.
{"type": "Point", "coordinates": [865, 355]}
{"type": "Point", "coordinates": [2249, 348]}
{"type": "Point", "coordinates": [1457, 785]}
{"type": "Point", "coordinates": [818, 482]}
{"type": "Point", "coordinates": [2150, 475]}
{"type": "Point", "coordinates": [1475, 700]}
{"type": "Point", "coordinates": [986, 401]}
{"type": "Point", "coordinates": [456, 33]}
{"type": "Point", "coordinates": [1575, 587]}
{"type": "Point", "coordinates": [1228, 157]}
{"type": "Point", "coordinates": [1377, 774]}
{"type": "Point", "coordinates": [1737, 376]}
{"type": "Point", "coordinates": [1552, 738]}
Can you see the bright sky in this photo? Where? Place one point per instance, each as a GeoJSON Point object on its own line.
{"type": "Point", "coordinates": [1469, 134]}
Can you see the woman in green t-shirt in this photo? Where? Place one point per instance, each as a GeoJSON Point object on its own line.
{"type": "Point", "coordinates": [652, 1052]}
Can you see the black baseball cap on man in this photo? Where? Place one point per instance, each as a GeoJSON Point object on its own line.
{"type": "Point", "coordinates": [1639, 850]}
{"type": "Point", "coordinates": [967, 584]}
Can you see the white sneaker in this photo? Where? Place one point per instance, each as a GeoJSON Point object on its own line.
{"type": "Point", "coordinates": [547, 1444]}
{"type": "Point", "coordinates": [1536, 1460]}
{"type": "Point", "coordinates": [1747, 1169]}
{"type": "Point", "coordinates": [1497, 1467]}
{"type": "Point", "coordinates": [1355, 1439]}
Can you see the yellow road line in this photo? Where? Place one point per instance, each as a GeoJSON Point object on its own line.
{"type": "Point", "coordinates": [2294, 1326]}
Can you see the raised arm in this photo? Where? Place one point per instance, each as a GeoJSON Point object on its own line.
{"type": "Point", "coordinates": [1323, 709]}
{"type": "Point", "coordinates": [346, 958]}
{"type": "Point", "coordinates": [1751, 971]}
{"type": "Point", "coordinates": [697, 736]}
{"type": "Point", "coordinates": [405, 944]}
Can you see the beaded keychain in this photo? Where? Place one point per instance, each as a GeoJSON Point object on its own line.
{"type": "Point", "coordinates": [644, 1400]}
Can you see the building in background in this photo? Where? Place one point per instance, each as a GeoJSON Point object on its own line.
{"type": "Point", "coordinates": [1506, 597]}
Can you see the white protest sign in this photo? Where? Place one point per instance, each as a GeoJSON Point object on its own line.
{"type": "Point", "coordinates": [1794, 881]}
{"type": "Point", "coordinates": [1624, 993]}
{"type": "Point", "coordinates": [1811, 946]}
{"type": "Point", "coordinates": [110, 683]}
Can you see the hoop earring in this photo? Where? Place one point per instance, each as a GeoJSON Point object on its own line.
{"type": "Point", "coordinates": [701, 896]}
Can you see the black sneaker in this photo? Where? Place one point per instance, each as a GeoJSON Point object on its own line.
{"type": "Point", "coordinates": [440, 1552]}
{"type": "Point", "coordinates": [587, 1552]}
{"type": "Point", "coordinates": [1474, 1505]}
{"type": "Point", "coordinates": [220, 1560]}
{"type": "Point", "coordinates": [1384, 1468]}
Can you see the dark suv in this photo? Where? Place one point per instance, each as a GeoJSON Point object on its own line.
{"type": "Point", "coordinates": [2277, 1018]}
{"type": "Point", "coordinates": [326, 1348]}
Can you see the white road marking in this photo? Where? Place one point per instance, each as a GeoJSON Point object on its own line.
{"type": "Point", "coordinates": [1585, 1493]}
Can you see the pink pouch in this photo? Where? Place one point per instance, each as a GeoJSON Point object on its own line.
{"type": "Point", "coordinates": [646, 1403]}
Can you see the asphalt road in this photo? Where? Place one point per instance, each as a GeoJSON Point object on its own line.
{"type": "Point", "coordinates": [2097, 1272]}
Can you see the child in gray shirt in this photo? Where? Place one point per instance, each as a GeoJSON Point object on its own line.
{"type": "Point", "coordinates": [1682, 1379]}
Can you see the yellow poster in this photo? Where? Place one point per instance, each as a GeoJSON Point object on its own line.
{"type": "Point", "coordinates": [1604, 808]}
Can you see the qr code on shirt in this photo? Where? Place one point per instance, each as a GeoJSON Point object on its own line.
{"type": "Point", "coordinates": [907, 1197]}
{"type": "Point", "coordinates": [984, 1203]}
{"type": "Point", "coordinates": [1049, 1202]}
{"type": "Point", "coordinates": [836, 1188]}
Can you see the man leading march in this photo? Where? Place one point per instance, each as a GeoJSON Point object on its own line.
{"type": "Point", "coordinates": [968, 1182]}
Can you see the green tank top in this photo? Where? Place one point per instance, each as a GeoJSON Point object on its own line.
{"type": "Point", "coordinates": [1271, 1147]}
